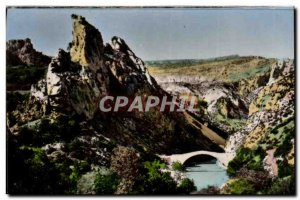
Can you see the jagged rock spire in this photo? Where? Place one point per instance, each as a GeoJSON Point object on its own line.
{"type": "Point", "coordinates": [87, 45]}
{"type": "Point", "coordinates": [77, 79]}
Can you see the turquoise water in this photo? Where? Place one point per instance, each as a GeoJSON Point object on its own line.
{"type": "Point", "coordinates": [207, 174]}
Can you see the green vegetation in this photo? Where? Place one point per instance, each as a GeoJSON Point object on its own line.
{"type": "Point", "coordinates": [177, 166]}
{"type": "Point", "coordinates": [282, 186]}
{"type": "Point", "coordinates": [186, 186]}
{"type": "Point", "coordinates": [31, 172]}
{"type": "Point", "coordinates": [284, 169]}
{"type": "Point", "coordinates": [260, 69]}
{"type": "Point", "coordinates": [64, 128]}
{"type": "Point", "coordinates": [239, 187]}
{"type": "Point", "coordinates": [69, 173]}
{"type": "Point", "coordinates": [245, 157]}
{"type": "Point", "coordinates": [264, 101]}
{"type": "Point", "coordinates": [155, 181]}
{"type": "Point", "coordinates": [14, 99]}
{"type": "Point", "coordinates": [106, 184]}
{"type": "Point", "coordinates": [233, 124]}
{"type": "Point", "coordinates": [21, 77]}
{"type": "Point", "coordinates": [188, 62]}
{"type": "Point", "coordinates": [248, 163]}
{"type": "Point", "coordinates": [281, 136]}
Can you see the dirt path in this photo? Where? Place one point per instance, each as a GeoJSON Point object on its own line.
{"type": "Point", "coordinates": [271, 160]}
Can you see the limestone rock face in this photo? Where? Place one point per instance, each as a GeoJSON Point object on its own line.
{"type": "Point", "coordinates": [70, 87]}
{"type": "Point", "coordinates": [248, 88]}
{"type": "Point", "coordinates": [21, 52]}
{"type": "Point", "coordinates": [76, 80]}
{"type": "Point", "coordinates": [127, 69]}
{"type": "Point", "coordinates": [272, 105]}
{"type": "Point", "coordinates": [87, 45]}
{"type": "Point", "coordinates": [224, 103]}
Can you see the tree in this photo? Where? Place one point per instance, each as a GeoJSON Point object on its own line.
{"type": "Point", "coordinates": [30, 172]}
{"type": "Point", "coordinates": [239, 186]}
{"type": "Point", "coordinates": [259, 179]}
{"type": "Point", "coordinates": [125, 163]}
{"type": "Point", "coordinates": [106, 184]}
{"type": "Point", "coordinates": [186, 186]}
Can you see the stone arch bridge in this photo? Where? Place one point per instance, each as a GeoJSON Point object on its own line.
{"type": "Point", "coordinates": [223, 158]}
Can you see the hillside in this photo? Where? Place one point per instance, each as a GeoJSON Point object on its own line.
{"type": "Point", "coordinates": [59, 132]}
{"type": "Point", "coordinates": [24, 65]}
{"type": "Point", "coordinates": [78, 123]}
{"type": "Point", "coordinates": [230, 68]}
{"type": "Point", "coordinates": [251, 99]}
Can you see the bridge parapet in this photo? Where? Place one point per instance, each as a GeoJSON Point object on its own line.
{"type": "Point", "coordinates": [223, 158]}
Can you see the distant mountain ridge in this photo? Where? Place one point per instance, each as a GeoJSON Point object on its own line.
{"type": "Point", "coordinates": [190, 61]}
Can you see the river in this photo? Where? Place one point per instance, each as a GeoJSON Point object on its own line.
{"type": "Point", "coordinates": [207, 172]}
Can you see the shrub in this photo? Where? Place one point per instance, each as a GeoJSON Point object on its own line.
{"type": "Point", "coordinates": [106, 184]}
{"type": "Point", "coordinates": [240, 186]}
{"type": "Point", "coordinates": [30, 172]}
{"type": "Point", "coordinates": [186, 186]}
{"type": "Point", "coordinates": [284, 168]}
{"type": "Point", "coordinates": [63, 129]}
{"type": "Point", "coordinates": [23, 76]}
{"type": "Point", "coordinates": [177, 166]}
{"type": "Point", "coordinates": [153, 168]}
{"type": "Point", "coordinates": [161, 183]}
{"type": "Point", "coordinates": [14, 99]}
{"type": "Point", "coordinates": [125, 162]}
{"type": "Point", "coordinates": [259, 179]}
{"type": "Point", "coordinates": [69, 174]}
{"type": "Point", "coordinates": [153, 181]}
{"type": "Point", "coordinates": [282, 186]}
{"type": "Point", "coordinates": [245, 157]}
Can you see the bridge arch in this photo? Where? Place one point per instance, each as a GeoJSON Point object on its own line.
{"type": "Point", "coordinates": [202, 158]}
{"type": "Point", "coordinates": [223, 158]}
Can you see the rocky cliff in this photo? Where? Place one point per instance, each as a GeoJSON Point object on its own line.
{"type": "Point", "coordinates": [252, 103]}
{"type": "Point", "coordinates": [58, 134]}
{"type": "Point", "coordinates": [270, 127]}
{"type": "Point", "coordinates": [76, 80]}
{"type": "Point", "coordinates": [21, 52]}
{"type": "Point", "coordinates": [272, 104]}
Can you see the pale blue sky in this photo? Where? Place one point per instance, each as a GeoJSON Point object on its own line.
{"type": "Point", "coordinates": [155, 34]}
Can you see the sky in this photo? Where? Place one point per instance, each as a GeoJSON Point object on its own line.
{"type": "Point", "coordinates": [164, 33]}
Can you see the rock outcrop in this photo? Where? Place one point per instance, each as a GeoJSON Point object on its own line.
{"type": "Point", "coordinates": [272, 105]}
{"type": "Point", "coordinates": [77, 79]}
{"type": "Point", "coordinates": [21, 52]}
{"type": "Point", "coordinates": [225, 106]}
{"type": "Point", "coordinates": [253, 103]}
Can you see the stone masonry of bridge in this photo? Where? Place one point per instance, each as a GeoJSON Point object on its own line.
{"type": "Point", "coordinates": [223, 158]}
